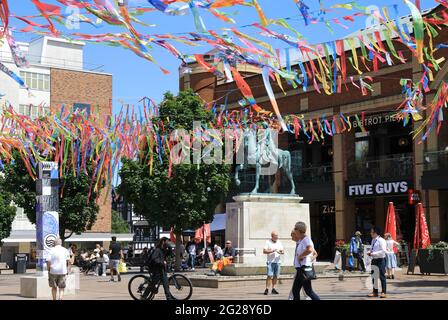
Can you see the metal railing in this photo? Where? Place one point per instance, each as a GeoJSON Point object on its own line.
{"type": "Point", "coordinates": [396, 166]}
{"type": "Point", "coordinates": [322, 173]}
{"type": "Point", "coordinates": [436, 160]}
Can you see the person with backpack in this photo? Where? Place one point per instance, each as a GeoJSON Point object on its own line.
{"type": "Point", "coordinates": [157, 265]}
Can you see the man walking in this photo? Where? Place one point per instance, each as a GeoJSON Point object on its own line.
{"type": "Point", "coordinates": [115, 254]}
{"type": "Point", "coordinates": [378, 254]}
{"type": "Point", "coordinates": [273, 249]}
{"type": "Point", "coordinates": [357, 250]}
{"type": "Point", "coordinates": [57, 265]}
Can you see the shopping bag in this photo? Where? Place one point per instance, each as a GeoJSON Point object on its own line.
{"type": "Point", "coordinates": [337, 261]}
{"type": "Point", "coordinates": [351, 262]}
{"type": "Point", "coordinates": [122, 267]}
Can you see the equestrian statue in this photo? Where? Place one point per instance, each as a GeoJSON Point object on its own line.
{"type": "Point", "coordinates": [263, 152]}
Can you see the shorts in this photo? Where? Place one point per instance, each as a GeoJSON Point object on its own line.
{"type": "Point", "coordinates": [56, 281]}
{"type": "Point", "coordinates": [113, 264]}
{"type": "Point", "coordinates": [273, 269]}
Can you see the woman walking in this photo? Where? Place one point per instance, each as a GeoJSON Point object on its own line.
{"type": "Point", "coordinates": [305, 254]}
{"type": "Point", "coordinates": [391, 258]}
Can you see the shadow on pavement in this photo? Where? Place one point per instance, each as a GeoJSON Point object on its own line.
{"type": "Point", "coordinates": [424, 283]}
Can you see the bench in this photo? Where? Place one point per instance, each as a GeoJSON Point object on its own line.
{"type": "Point", "coordinates": [4, 268]}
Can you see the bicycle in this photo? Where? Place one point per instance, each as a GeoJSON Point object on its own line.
{"type": "Point", "coordinates": [141, 287]}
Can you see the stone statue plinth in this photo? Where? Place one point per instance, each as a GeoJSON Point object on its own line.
{"type": "Point", "coordinates": [251, 219]}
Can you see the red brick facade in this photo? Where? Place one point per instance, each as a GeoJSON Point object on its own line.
{"type": "Point", "coordinates": [386, 98]}
{"type": "Point", "coordinates": [95, 89]}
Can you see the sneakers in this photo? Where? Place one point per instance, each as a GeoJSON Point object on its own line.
{"type": "Point", "coordinates": [274, 291]}
{"type": "Point", "coordinates": [266, 292]}
{"type": "Point", "coordinates": [104, 275]}
{"type": "Point", "coordinates": [383, 295]}
{"type": "Point", "coordinates": [373, 295]}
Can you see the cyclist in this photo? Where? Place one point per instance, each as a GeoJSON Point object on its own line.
{"type": "Point", "coordinates": [158, 265]}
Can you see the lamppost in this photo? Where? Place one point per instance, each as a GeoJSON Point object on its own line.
{"type": "Point", "coordinates": [47, 207]}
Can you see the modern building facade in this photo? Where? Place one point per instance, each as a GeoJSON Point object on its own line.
{"type": "Point", "coordinates": [57, 75]}
{"type": "Point", "coordinates": [350, 178]}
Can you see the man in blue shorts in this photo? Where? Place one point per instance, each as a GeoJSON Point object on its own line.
{"type": "Point", "coordinates": [273, 249]}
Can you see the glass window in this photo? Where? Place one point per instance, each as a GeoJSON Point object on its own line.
{"type": "Point", "coordinates": [36, 81]}
{"type": "Point", "coordinates": [28, 79]}
{"type": "Point", "coordinates": [33, 81]}
{"type": "Point", "coordinates": [40, 82]}
{"type": "Point", "coordinates": [46, 82]}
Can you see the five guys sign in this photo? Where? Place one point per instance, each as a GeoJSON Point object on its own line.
{"type": "Point", "coordinates": [378, 188]}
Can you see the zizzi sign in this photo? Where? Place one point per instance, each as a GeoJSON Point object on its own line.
{"type": "Point", "coordinates": [378, 188]}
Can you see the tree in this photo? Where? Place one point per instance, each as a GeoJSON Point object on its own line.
{"type": "Point", "coordinates": [187, 198]}
{"type": "Point", "coordinates": [77, 212]}
{"type": "Point", "coordinates": [7, 212]}
{"type": "Point", "coordinates": [119, 225]}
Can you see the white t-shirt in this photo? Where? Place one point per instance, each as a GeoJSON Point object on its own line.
{"type": "Point", "coordinates": [58, 257]}
{"type": "Point", "coordinates": [390, 244]}
{"type": "Point", "coordinates": [301, 247]}
{"type": "Point", "coordinates": [273, 257]}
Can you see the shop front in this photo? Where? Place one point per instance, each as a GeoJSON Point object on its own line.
{"type": "Point", "coordinates": [371, 201]}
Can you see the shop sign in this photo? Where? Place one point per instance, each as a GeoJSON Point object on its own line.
{"type": "Point", "coordinates": [377, 119]}
{"type": "Point", "coordinates": [378, 188]}
{"type": "Point", "coordinates": [414, 196]}
{"type": "Point", "coordinates": [326, 209]}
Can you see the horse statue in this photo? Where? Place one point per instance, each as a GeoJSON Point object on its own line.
{"type": "Point", "coordinates": [261, 153]}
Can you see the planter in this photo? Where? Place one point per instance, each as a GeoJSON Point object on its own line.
{"type": "Point", "coordinates": [437, 262]}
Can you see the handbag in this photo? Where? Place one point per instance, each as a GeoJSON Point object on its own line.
{"type": "Point", "coordinates": [307, 273]}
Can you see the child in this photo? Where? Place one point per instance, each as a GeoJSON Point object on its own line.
{"type": "Point", "coordinates": [391, 259]}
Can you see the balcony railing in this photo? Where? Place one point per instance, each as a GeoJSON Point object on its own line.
{"type": "Point", "coordinates": [315, 174]}
{"type": "Point", "coordinates": [436, 160]}
{"type": "Point", "coordinates": [397, 166]}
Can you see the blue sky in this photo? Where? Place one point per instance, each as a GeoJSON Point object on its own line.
{"type": "Point", "coordinates": [134, 77]}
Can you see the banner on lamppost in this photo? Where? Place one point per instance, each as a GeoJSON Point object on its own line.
{"type": "Point", "coordinates": [47, 207]}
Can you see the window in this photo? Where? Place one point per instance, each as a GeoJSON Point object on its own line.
{"type": "Point", "coordinates": [81, 107]}
{"type": "Point", "coordinates": [33, 111]}
{"type": "Point", "coordinates": [36, 81]}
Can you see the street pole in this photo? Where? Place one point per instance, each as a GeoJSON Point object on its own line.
{"type": "Point", "coordinates": [47, 216]}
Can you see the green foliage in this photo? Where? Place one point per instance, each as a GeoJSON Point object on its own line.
{"type": "Point", "coordinates": [77, 212]}
{"type": "Point", "coordinates": [187, 198]}
{"type": "Point", "coordinates": [7, 213]}
{"type": "Point", "coordinates": [118, 224]}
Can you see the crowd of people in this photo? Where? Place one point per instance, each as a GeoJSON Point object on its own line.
{"type": "Point", "coordinates": [381, 254]}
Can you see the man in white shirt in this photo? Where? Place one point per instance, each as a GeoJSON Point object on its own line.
{"type": "Point", "coordinates": [378, 254]}
{"type": "Point", "coordinates": [273, 249]}
{"type": "Point", "coordinates": [57, 266]}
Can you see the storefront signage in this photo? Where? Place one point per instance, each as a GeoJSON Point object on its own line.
{"type": "Point", "coordinates": [378, 188]}
{"type": "Point", "coordinates": [413, 196]}
{"type": "Point", "coordinates": [328, 209]}
{"type": "Point", "coordinates": [377, 119]}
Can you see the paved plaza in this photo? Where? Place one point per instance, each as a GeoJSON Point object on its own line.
{"type": "Point", "coordinates": [404, 287]}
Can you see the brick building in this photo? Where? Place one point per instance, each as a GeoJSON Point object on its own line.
{"type": "Point", "coordinates": [333, 176]}
{"type": "Point", "coordinates": [57, 75]}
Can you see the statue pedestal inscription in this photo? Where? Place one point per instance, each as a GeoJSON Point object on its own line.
{"type": "Point", "coordinates": [250, 221]}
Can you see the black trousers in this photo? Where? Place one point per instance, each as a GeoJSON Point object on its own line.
{"type": "Point", "coordinates": [158, 275]}
{"type": "Point", "coordinates": [297, 286]}
{"type": "Point", "coordinates": [358, 257]}
{"type": "Point", "coordinates": [381, 264]}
